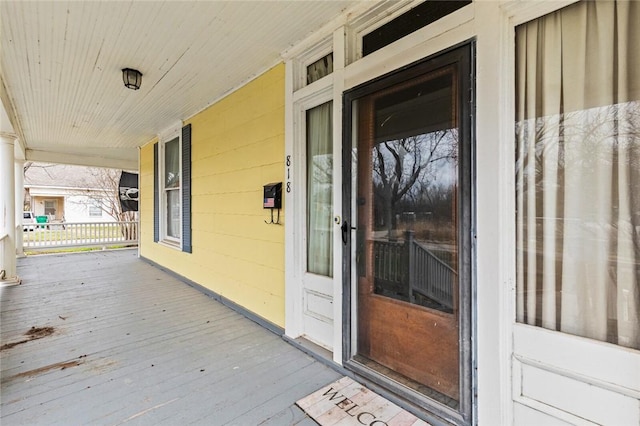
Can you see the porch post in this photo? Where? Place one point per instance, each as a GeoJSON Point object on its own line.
{"type": "Point", "coordinates": [8, 274]}
{"type": "Point", "coordinates": [19, 193]}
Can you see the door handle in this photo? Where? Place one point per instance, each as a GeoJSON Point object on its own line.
{"type": "Point", "coordinates": [345, 231]}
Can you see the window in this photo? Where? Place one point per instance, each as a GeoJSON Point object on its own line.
{"type": "Point", "coordinates": [320, 68]}
{"type": "Point", "coordinates": [320, 190]}
{"type": "Point", "coordinates": [405, 24]}
{"type": "Point", "coordinates": [171, 178]}
{"type": "Point", "coordinates": [314, 64]}
{"type": "Point", "coordinates": [172, 190]}
{"type": "Point", "coordinates": [50, 207]}
{"type": "Point", "coordinates": [578, 172]}
{"type": "Point", "coordinates": [95, 209]}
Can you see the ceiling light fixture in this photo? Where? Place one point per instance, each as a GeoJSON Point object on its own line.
{"type": "Point", "coordinates": [132, 78]}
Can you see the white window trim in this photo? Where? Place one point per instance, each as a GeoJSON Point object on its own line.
{"type": "Point", "coordinates": [375, 18]}
{"type": "Point", "coordinates": [520, 12]}
{"type": "Point", "coordinates": [449, 31]}
{"type": "Point", "coordinates": [301, 62]}
{"type": "Point", "coordinates": [171, 133]}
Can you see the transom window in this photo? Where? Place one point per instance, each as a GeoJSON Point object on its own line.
{"type": "Point", "coordinates": [410, 21]}
{"type": "Point", "coordinates": [320, 68]}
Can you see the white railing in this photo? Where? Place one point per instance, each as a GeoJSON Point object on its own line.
{"type": "Point", "coordinates": [406, 269]}
{"type": "Point", "coordinates": [81, 234]}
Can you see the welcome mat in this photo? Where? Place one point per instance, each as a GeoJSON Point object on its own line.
{"type": "Point", "coordinates": [345, 402]}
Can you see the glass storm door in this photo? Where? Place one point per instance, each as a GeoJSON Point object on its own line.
{"type": "Point", "coordinates": [411, 213]}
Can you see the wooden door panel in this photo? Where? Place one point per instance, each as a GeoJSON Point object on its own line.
{"type": "Point", "coordinates": [413, 341]}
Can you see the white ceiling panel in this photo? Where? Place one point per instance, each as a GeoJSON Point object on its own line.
{"type": "Point", "coordinates": [61, 65]}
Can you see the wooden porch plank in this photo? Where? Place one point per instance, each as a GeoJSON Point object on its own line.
{"type": "Point", "coordinates": [149, 389]}
{"type": "Point", "coordinates": [289, 416]}
{"type": "Point", "coordinates": [76, 348]}
{"type": "Point", "coordinates": [232, 397]}
{"type": "Point", "coordinates": [112, 338]}
{"type": "Point", "coordinates": [209, 395]}
{"type": "Point", "coordinates": [157, 351]}
{"type": "Point", "coordinates": [134, 357]}
{"type": "Point", "coordinates": [257, 414]}
{"type": "Point", "coordinates": [110, 371]}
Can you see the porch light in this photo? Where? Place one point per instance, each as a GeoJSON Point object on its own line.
{"type": "Point", "coordinates": [132, 78]}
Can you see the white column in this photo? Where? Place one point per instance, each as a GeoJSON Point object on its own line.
{"type": "Point", "coordinates": [19, 177]}
{"type": "Point", "coordinates": [8, 274]}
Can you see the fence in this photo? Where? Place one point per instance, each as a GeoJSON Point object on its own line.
{"type": "Point", "coordinates": [80, 234]}
{"type": "Point", "coordinates": [408, 270]}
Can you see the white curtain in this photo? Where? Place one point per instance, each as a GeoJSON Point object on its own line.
{"type": "Point", "coordinates": [578, 171]}
{"type": "Point", "coordinates": [172, 186]}
{"type": "Point", "coordinates": [173, 213]}
{"type": "Point", "coordinates": [320, 190]}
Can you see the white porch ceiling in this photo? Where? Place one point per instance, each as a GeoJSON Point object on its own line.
{"type": "Point", "coordinates": [61, 66]}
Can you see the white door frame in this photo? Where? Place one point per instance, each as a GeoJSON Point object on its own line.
{"type": "Point", "coordinates": [301, 286]}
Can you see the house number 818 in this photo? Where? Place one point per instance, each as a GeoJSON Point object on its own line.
{"type": "Point", "coordinates": [288, 162]}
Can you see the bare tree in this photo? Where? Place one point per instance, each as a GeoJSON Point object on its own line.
{"type": "Point", "coordinates": [402, 166]}
{"type": "Point", "coordinates": [26, 196]}
{"type": "Point", "coordinates": [107, 198]}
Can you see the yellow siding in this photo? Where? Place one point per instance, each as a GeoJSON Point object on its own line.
{"type": "Point", "coordinates": [146, 194]}
{"type": "Point", "coordinates": [237, 147]}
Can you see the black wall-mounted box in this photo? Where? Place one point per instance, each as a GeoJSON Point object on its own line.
{"type": "Point", "coordinates": [272, 196]}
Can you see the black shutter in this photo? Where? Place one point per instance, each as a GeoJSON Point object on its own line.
{"type": "Point", "coordinates": [156, 196]}
{"type": "Point", "coordinates": [186, 188]}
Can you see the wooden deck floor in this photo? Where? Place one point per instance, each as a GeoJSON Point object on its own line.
{"type": "Point", "coordinates": [104, 338]}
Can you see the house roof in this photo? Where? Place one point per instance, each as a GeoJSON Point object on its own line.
{"type": "Point", "coordinates": [61, 80]}
{"type": "Point", "coordinates": [65, 176]}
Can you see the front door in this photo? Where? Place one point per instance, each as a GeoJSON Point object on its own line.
{"type": "Point", "coordinates": [409, 243]}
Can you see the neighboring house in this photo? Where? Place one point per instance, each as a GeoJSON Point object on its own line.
{"type": "Point", "coordinates": [68, 193]}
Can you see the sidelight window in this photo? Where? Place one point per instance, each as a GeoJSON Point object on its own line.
{"type": "Point", "coordinates": [319, 190]}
